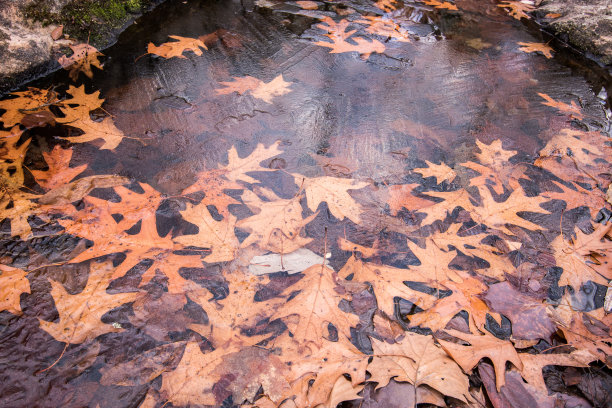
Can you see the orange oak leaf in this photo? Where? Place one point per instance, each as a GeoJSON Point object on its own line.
{"type": "Point", "coordinates": [218, 236]}
{"type": "Point", "coordinates": [59, 171]}
{"type": "Point", "coordinates": [213, 183]}
{"type": "Point", "coordinates": [517, 9]}
{"type": "Point", "coordinates": [586, 257]}
{"type": "Point", "coordinates": [315, 307]}
{"type": "Point", "coordinates": [387, 283]}
{"type": "Point", "coordinates": [257, 88]}
{"type": "Point", "coordinates": [83, 58]}
{"type": "Point", "coordinates": [237, 167]}
{"type": "Point", "coordinates": [384, 27]}
{"type": "Point", "coordinates": [494, 155]}
{"type": "Point", "coordinates": [80, 314]}
{"type": "Point", "coordinates": [177, 48]}
{"type": "Point", "coordinates": [418, 360]}
{"type": "Point", "coordinates": [314, 380]}
{"type": "Point", "coordinates": [342, 40]}
{"type": "Point", "coordinates": [441, 4]}
{"type": "Point", "coordinates": [400, 196]}
{"type": "Point", "coordinates": [228, 318]}
{"type": "Point", "coordinates": [32, 101]}
{"type": "Point", "coordinates": [452, 199]}
{"type": "Point", "coordinates": [572, 109]}
{"type": "Point", "coordinates": [277, 224]}
{"type": "Point", "coordinates": [96, 223]}
{"type": "Point", "coordinates": [584, 148]}
{"type": "Point", "coordinates": [192, 381]}
{"type": "Point", "coordinates": [333, 191]}
{"type": "Point", "coordinates": [499, 351]}
{"type": "Point", "coordinates": [13, 283]}
{"type": "Point", "coordinates": [497, 214]}
{"type": "Point", "coordinates": [465, 296]}
{"type": "Point", "coordinates": [76, 111]}
{"type": "Point", "coordinates": [440, 171]}
{"type": "Point", "coordinates": [434, 263]}
{"type": "Point", "coordinates": [575, 196]}
{"type": "Point", "coordinates": [534, 363]}
{"type": "Point", "coordinates": [545, 49]}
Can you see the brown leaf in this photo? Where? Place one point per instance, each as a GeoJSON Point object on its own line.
{"type": "Point", "coordinates": [573, 110]}
{"type": "Point", "coordinates": [177, 48]}
{"type": "Point", "coordinates": [218, 236]}
{"type": "Point", "coordinates": [13, 283]}
{"type": "Point", "coordinates": [400, 196]}
{"type": "Point", "coordinates": [387, 282]}
{"type": "Point", "coordinates": [33, 100]}
{"type": "Point", "coordinates": [59, 171]}
{"type": "Point", "coordinates": [315, 306]}
{"type": "Point", "coordinates": [339, 39]}
{"type": "Point", "coordinates": [417, 360]}
{"type": "Point", "coordinates": [278, 224]}
{"type": "Point", "coordinates": [347, 245]}
{"type": "Point", "coordinates": [78, 189]}
{"type": "Point", "coordinates": [536, 47]}
{"type": "Point", "coordinates": [144, 368]}
{"type": "Point", "coordinates": [517, 9]}
{"type": "Point", "coordinates": [80, 314]}
{"type": "Point", "coordinates": [499, 351]}
{"type": "Point", "coordinates": [333, 191]}
{"type": "Point", "coordinates": [441, 4]}
{"type": "Point", "coordinates": [529, 318]}
{"type": "Point", "coordinates": [440, 171]}
{"type": "Point", "coordinates": [83, 57]}
{"type": "Point", "coordinates": [257, 88]}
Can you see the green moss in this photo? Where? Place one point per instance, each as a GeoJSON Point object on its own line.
{"type": "Point", "coordinates": [87, 20]}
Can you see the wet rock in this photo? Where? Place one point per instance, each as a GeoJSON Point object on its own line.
{"type": "Point", "coordinates": [585, 24]}
{"type": "Point", "coordinates": [29, 40]}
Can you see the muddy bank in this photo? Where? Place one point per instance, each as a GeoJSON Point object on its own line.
{"type": "Point", "coordinates": [28, 27]}
{"type": "Point", "coordinates": [584, 24]}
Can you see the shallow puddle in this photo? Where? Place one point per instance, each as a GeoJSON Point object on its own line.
{"type": "Point", "coordinates": [166, 247]}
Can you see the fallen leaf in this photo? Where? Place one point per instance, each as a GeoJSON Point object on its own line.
{"type": "Point", "coordinates": [572, 109]}
{"type": "Point", "coordinates": [177, 48]}
{"type": "Point", "coordinates": [277, 225]}
{"type": "Point", "coordinates": [416, 359]}
{"type": "Point", "coordinates": [339, 39]}
{"type": "Point", "coordinates": [440, 171]}
{"type": "Point", "coordinates": [59, 171]}
{"type": "Point", "coordinates": [536, 47]}
{"type": "Point", "coordinates": [13, 283]}
{"type": "Point", "coordinates": [498, 351]}
{"type": "Point", "coordinates": [80, 314]}
{"type": "Point", "coordinates": [528, 315]}
{"type": "Point", "coordinates": [517, 9]}
{"type": "Point", "coordinates": [334, 192]}
{"type": "Point", "coordinates": [33, 100]}
{"type": "Point", "coordinates": [387, 283]}
{"type": "Point", "coordinates": [400, 196]}
{"type": "Point", "coordinates": [347, 245]}
{"type": "Point", "coordinates": [83, 58]}
{"type": "Point", "coordinates": [218, 236]}
{"type": "Point", "coordinates": [315, 306]}
{"type": "Point", "coordinates": [257, 88]}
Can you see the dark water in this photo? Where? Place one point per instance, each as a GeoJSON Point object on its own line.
{"type": "Point", "coordinates": [460, 78]}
